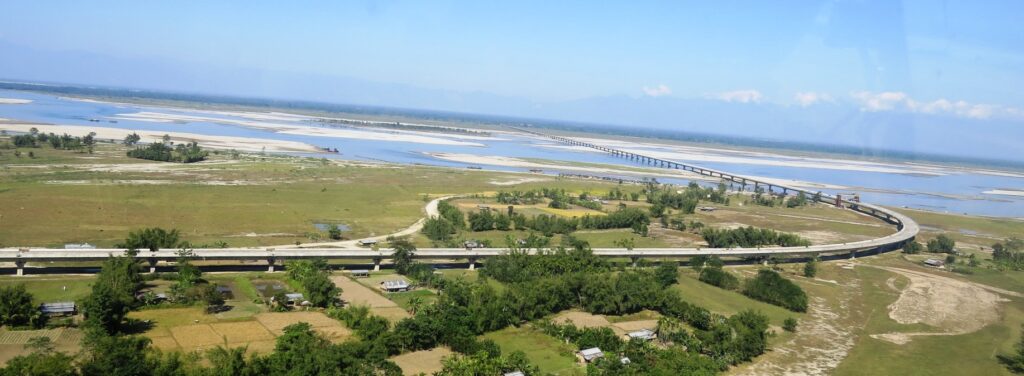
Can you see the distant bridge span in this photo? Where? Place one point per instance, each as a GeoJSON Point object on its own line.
{"type": "Point", "coordinates": [907, 230]}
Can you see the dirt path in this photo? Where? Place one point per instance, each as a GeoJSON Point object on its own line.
{"type": "Point", "coordinates": [430, 209]}
{"type": "Point", "coordinates": [951, 305]}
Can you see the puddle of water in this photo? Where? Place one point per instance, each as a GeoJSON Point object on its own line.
{"type": "Point", "coordinates": [327, 226]}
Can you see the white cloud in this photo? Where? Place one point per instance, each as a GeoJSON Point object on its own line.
{"type": "Point", "coordinates": [809, 98]}
{"type": "Point", "coordinates": [739, 96]}
{"type": "Point", "coordinates": [657, 91]}
{"type": "Point", "coordinates": [898, 101]}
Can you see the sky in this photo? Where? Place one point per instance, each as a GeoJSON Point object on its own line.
{"type": "Point", "coordinates": [826, 70]}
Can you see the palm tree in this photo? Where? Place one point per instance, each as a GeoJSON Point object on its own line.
{"type": "Point", "coordinates": [414, 304]}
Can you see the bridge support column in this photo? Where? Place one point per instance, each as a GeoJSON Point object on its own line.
{"type": "Point", "coordinates": [764, 262]}
{"type": "Point", "coordinates": [152, 265]}
{"type": "Point", "coordinates": [635, 260]}
{"type": "Point", "coordinates": [472, 263]}
{"type": "Point", "coordinates": [376, 264]}
{"type": "Point", "coordinates": [21, 268]}
{"type": "Point", "coordinates": [270, 265]}
{"type": "Point", "coordinates": [853, 255]}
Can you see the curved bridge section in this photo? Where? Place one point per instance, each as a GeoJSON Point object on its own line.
{"type": "Point", "coordinates": [907, 230]}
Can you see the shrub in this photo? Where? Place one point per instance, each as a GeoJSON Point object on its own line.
{"type": "Point", "coordinates": [789, 325]}
{"type": "Point", "coordinates": [772, 288]}
{"type": "Point", "coordinates": [719, 277]}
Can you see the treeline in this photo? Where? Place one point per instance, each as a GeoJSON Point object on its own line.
{"type": "Point", "coordinates": [575, 278]}
{"type": "Point", "coordinates": [559, 198]}
{"type": "Point", "coordinates": [1009, 254]}
{"type": "Point", "coordinates": [182, 153]}
{"type": "Point", "coordinates": [768, 286]}
{"type": "Point", "coordinates": [662, 198]}
{"type": "Point", "coordinates": [486, 220]}
{"type": "Point", "coordinates": [35, 139]}
{"type": "Point", "coordinates": [750, 237]}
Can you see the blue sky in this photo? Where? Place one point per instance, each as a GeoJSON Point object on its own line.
{"type": "Point", "coordinates": [947, 62]}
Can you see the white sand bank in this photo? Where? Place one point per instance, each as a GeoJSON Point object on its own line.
{"type": "Point", "coordinates": [1004, 192]}
{"type": "Point", "coordinates": [14, 101]}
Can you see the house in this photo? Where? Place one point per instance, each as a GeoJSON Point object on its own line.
{"type": "Point", "coordinates": [514, 373]}
{"type": "Point", "coordinates": [588, 355]}
{"type": "Point", "coordinates": [79, 246]}
{"type": "Point", "coordinates": [707, 208]}
{"type": "Point", "coordinates": [483, 207]}
{"type": "Point", "coordinates": [934, 263]}
{"type": "Point", "coordinates": [58, 309]}
{"type": "Point", "coordinates": [360, 273]}
{"type": "Point", "coordinates": [470, 244]}
{"type": "Point", "coordinates": [641, 335]}
{"type": "Point", "coordinates": [395, 285]}
{"type": "Point", "coordinates": [367, 242]}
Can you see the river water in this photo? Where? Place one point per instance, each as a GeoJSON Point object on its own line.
{"type": "Point", "coordinates": [931, 187]}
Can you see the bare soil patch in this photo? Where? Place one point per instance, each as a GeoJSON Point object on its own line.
{"type": "Point", "coordinates": [950, 305]}
{"type": "Point", "coordinates": [276, 321]}
{"type": "Point", "coordinates": [194, 337]}
{"type": "Point", "coordinates": [425, 361]}
{"type": "Point", "coordinates": [242, 332]}
{"type": "Point", "coordinates": [582, 319]}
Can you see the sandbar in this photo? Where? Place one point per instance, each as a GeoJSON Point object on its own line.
{"type": "Point", "coordinates": [207, 141]}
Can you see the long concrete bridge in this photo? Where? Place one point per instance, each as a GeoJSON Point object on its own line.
{"type": "Point", "coordinates": [907, 229]}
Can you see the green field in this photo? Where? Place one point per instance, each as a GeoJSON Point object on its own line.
{"type": "Point", "coordinates": [726, 302]}
{"type": "Point", "coordinates": [549, 354]}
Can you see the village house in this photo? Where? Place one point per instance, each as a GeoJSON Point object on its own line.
{"type": "Point", "coordinates": [588, 355]}
{"type": "Point", "coordinates": [395, 286]}
{"type": "Point", "coordinates": [641, 335]}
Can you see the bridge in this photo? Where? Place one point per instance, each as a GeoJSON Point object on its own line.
{"type": "Point", "coordinates": [907, 229]}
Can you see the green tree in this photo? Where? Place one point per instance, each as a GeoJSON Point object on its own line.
{"type": "Point", "coordinates": [334, 232]}
{"type": "Point", "coordinates": [113, 295]}
{"type": "Point", "coordinates": [942, 244]}
{"type": "Point", "coordinates": [402, 255]}
{"type": "Point", "coordinates": [152, 239]}
{"type": "Point", "coordinates": [132, 139]}
{"type": "Point", "coordinates": [667, 273]}
{"type": "Point", "coordinates": [116, 356]}
{"type": "Point", "coordinates": [811, 268]}
{"type": "Point", "coordinates": [912, 247]}
{"type": "Point", "coordinates": [43, 360]}
{"type": "Point", "coordinates": [789, 324]}
{"type": "Point", "coordinates": [1014, 362]}
{"type": "Point", "coordinates": [16, 308]}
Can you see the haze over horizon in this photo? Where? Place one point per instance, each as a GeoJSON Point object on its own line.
{"type": "Point", "coordinates": [937, 78]}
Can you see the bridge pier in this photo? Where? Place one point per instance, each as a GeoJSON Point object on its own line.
{"type": "Point", "coordinates": [152, 265]}
{"type": "Point", "coordinates": [270, 265]}
{"type": "Point", "coordinates": [21, 268]}
{"type": "Point", "coordinates": [472, 263]}
{"type": "Point", "coordinates": [376, 264]}
{"type": "Point", "coordinates": [853, 255]}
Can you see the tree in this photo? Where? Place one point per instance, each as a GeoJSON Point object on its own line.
{"type": "Point", "coordinates": [113, 294]}
{"type": "Point", "coordinates": [314, 277]}
{"type": "Point", "coordinates": [789, 324]}
{"type": "Point", "coordinates": [770, 287]}
{"type": "Point", "coordinates": [912, 247]}
{"type": "Point", "coordinates": [627, 243]}
{"type": "Point", "coordinates": [166, 138]}
{"type": "Point", "coordinates": [667, 273]}
{"type": "Point", "coordinates": [942, 244]}
{"type": "Point", "coordinates": [132, 139]}
{"type": "Point", "coordinates": [209, 295]}
{"type": "Point", "coordinates": [811, 268]}
{"type": "Point", "coordinates": [334, 232]}
{"type": "Point", "coordinates": [16, 308]}
{"type": "Point", "coordinates": [483, 364]}
{"type": "Point", "coordinates": [43, 360]}
{"type": "Point", "coordinates": [1014, 362]}
{"type": "Point", "coordinates": [116, 356]}
{"type": "Point", "coordinates": [402, 256]}
{"type": "Point", "coordinates": [152, 239]}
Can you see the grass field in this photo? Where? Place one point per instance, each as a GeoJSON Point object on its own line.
{"type": "Point", "coordinates": [726, 302]}
{"type": "Point", "coordinates": [52, 288]}
{"type": "Point", "coordinates": [549, 354]}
